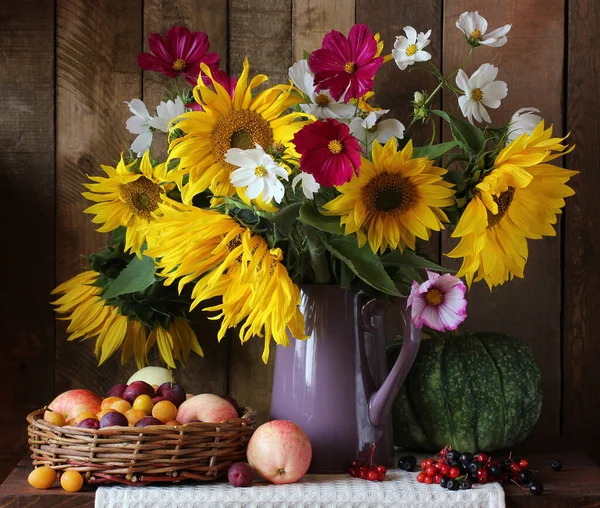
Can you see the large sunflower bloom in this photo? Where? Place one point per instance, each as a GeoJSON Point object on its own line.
{"type": "Point", "coordinates": [227, 122]}
{"type": "Point", "coordinates": [91, 316]}
{"type": "Point", "coordinates": [518, 200]}
{"type": "Point", "coordinates": [226, 260]}
{"type": "Point", "coordinates": [395, 200]}
{"type": "Point", "coordinates": [127, 199]}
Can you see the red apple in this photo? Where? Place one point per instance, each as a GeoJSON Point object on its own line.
{"type": "Point", "coordinates": [137, 388]}
{"type": "Point", "coordinates": [206, 407]}
{"type": "Point", "coordinates": [74, 402]}
{"type": "Point", "coordinates": [172, 392]}
{"type": "Point", "coordinates": [279, 451]}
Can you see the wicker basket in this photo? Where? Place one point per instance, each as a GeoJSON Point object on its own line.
{"type": "Point", "coordinates": [138, 456]}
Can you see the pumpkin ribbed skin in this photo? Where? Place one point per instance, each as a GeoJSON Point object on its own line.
{"type": "Point", "coordinates": [479, 391]}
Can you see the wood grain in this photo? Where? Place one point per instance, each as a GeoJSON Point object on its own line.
{"type": "Point", "coordinates": [268, 25]}
{"type": "Point", "coordinates": [394, 89]}
{"type": "Point", "coordinates": [312, 19]}
{"type": "Point", "coordinates": [97, 42]}
{"type": "Point", "coordinates": [581, 411]}
{"type": "Point", "coordinates": [208, 374]}
{"type": "Point", "coordinates": [27, 208]}
{"type": "Point", "coordinates": [531, 64]}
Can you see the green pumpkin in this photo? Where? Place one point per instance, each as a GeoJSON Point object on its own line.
{"type": "Point", "coordinates": [475, 392]}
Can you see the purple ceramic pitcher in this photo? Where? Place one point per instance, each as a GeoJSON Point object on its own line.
{"type": "Point", "coordinates": [335, 384]}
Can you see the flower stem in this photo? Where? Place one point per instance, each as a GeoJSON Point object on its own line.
{"type": "Point", "coordinates": [318, 258]}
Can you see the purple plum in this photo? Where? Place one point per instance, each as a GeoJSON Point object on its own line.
{"type": "Point", "coordinates": [148, 420]}
{"type": "Point", "coordinates": [89, 423]}
{"type": "Point", "coordinates": [172, 392]}
{"type": "Point", "coordinates": [137, 388]}
{"type": "Point", "coordinates": [116, 391]}
{"type": "Point", "coordinates": [113, 419]}
{"type": "Point", "coordinates": [241, 474]}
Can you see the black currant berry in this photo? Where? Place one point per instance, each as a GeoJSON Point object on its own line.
{"type": "Point", "coordinates": [536, 487]}
{"type": "Point", "coordinates": [524, 477]}
{"type": "Point", "coordinates": [474, 467]}
{"type": "Point", "coordinates": [556, 465]}
{"type": "Point", "coordinates": [444, 482]}
{"type": "Point", "coordinates": [466, 485]}
{"type": "Point", "coordinates": [495, 470]}
{"type": "Point", "coordinates": [452, 485]}
{"type": "Point", "coordinates": [453, 455]}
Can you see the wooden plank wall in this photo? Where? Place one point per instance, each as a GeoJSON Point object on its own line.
{"type": "Point", "coordinates": [65, 73]}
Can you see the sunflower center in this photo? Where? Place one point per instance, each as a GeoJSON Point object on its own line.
{"type": "Point", "coordinates": [411, 50]}
{"type": "Point", "coordinates": [260, 171]}
{"type": "Point", "coordinates": [335, 146]}
{"type": "Point", "coordinates": [503, 201]}
{"type": "Point", "coordinates": [434, 297]}
{"type": "Point", "coordinates": [476, 95]}
{"type": "Point", "coordinates": [240, 129]}
{"type": "Point", "coordinates": [476, 35]}
{"type": "Point", "coordinates": [350, 67]}
{"type": "Point", "coordinates": [179, 65]}
{"type": "Point", "coordinates": [322, 100]}
{"type": "Point", "coordinates": [141, 196]}
{"type": "Point", "coordinates": [389, 193]}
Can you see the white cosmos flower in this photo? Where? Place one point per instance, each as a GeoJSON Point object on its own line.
{"type": "Point", "coordinates": [322, 105]}
{"type": "Point", "coordinates": [480, 90]}
{"type": "Point", "coordinates": [139, 124]}
{"type": "Point", "coordinates": [475, 27]}
{"type": "Point", "coordinates": [523, 122]}
{"type": "Point", "coordinates": [408, 50]}
{"type": "Point", "coordinates": [309, 184]}
{"type": "Point", "coordinates": [165, 112]}
{"type": "Point", "coordinates": [258, 172]}
{"type": "Point", "coordinates": [368, 129]}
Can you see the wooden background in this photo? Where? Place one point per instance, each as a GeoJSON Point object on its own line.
{"type": "Point", "coordinates": [66, 66]}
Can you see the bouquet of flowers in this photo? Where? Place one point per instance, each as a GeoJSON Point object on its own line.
{"type": "Point", "coordinates": [267, 188]}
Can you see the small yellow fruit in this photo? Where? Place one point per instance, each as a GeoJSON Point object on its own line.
{"type": "Point", "coordinates": [42, 477]}
{"type": "Point", "coordinates": [82, 416]}
{"type": "Point", "coordinates": [71, 480]}
{"type": "Point", "coordinates": [143, 403]}
{"type": "Point", "coordinates": [134, 415]}
{"type": "Point", "coordinates": [122, 406]}
{"type": "Point", "coordinates": [109, 401]}
{"type": "Point", "coordinates": [173, 423]}
{"type": "Point", "coordinates": [164, 410]}
{"type": "Point", "coordinates": [55, 418]}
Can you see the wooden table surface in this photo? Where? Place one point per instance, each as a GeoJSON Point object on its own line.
{"type": "Point", "coordinates": [576, 486]}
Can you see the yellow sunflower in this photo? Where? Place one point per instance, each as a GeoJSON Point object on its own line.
{"type": "Point", "coordinates": [127, 199]}
{"type": "Point", "coordinates": [395, 200]}
{"type": "Point", "coordinates": [226, 122]}
{"type": "Point", "coordinates": [90, 316]}
{"type": "Point", "coordinates": [518, 200]}
{"type": "Point", "coordinates": [226, 260]}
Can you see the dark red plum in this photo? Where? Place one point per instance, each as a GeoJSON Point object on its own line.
{"type": "Point", "coordinates": [172, 392]}
{"type": "Point", "coordinates": [113, 419]}
{"type": "Point", "coordinates": [241, 474]}
{"type": "Point", "coordinates": [116, 391]}
{"type": "Point", "coordinates": [147, 421]}
{"type": "Point", "coordinates": [89, 423]}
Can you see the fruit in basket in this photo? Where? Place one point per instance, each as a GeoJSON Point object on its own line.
{"type": "Point", "coordinates": [172, 392]}
{"type": "Point", "coordinates": [103, 412]}
{"type": "Point", "coordinates": [279, 451]}
{"type": "Point", "coordinates": [240, 474]}
{"type": "Point", "coordinates": [89, 423]}
{"type": "Point", "coordinates": [117, 391]}
{"type": "Point", "coordinates": [173, 423]}
{"type": "Point", "coordinates": [69, 404]}
{"type": "Point", "coordinates": [152, 376]}
{"type": "Point", "coordinates": [71, 480]}
{"type": "Point", "coordinates": [109, 401]}
{"type": "Point", "coordinates": [137, 388]}
{"type": "Point", "coordinates": [157, 399]}
{"type": "Point", "coordinates": [82, 416]}
{"type": "Point", "coordinates": [42, 477]}
{"type": "Point", "coordinates": [206, 407]}
{"type": "Point", "coordinates": [143, 403]}
{"type": "Point", "coordinates": [122, 406]}
{"type": "Point", "coordinates": [164, 411]}
{"type": "Point", "coordinates": [147, 421]}
{"type": "Point", "coordinates": [54, 418]}
{"type": "Point", "coordinates": [133, 416]}
{"type": "Point", "coordinates": [113, 419]}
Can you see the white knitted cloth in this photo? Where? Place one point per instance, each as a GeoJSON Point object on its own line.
{"type": "Point", "coordinates": [399, 489]}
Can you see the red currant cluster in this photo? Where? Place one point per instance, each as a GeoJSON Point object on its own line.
{"type": "Point", "coordinates": [366, 469]}
{"type": "Point", "coordinates": [453, 470]}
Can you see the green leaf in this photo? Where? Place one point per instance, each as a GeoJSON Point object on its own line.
{"type": "Point", "coordinates": [409, 259]}
{"type": "Point", "coordinates": [311, 216]}
{"type": "Point", "coordinates": [285, 217]}
{"type": "Point", "coordinates": [118, 235]}
{"type": "Point", "coordinates": [433, 151]}
{"type": "Point", "coordinates": [305, 55]}
{"type": "Point", "coordinates": [136, 276]}
{"type": "Point", "coordinates": [363, 262]}
{"type": "Point", "coordinates": [468, 137]}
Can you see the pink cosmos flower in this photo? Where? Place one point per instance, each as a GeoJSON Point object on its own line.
{"type": "Point", "coordinates": [180, 53]}
{"type": "Point", "coordinates": [439, 302]}
{"type": "Point", "coordinates": [329, 152]}
{"type": "Point", "coordinates": [346, 66]}
{"type": "Point", "coordinates": [220, 77]}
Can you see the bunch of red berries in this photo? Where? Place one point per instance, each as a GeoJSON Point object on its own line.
{"type": "Point", "coordinates": [366, 469]}
{"type": "Point", "coordinates": [453, 470]}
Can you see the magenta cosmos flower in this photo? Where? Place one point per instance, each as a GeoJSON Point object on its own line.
{"type": "Point", "coordinates": [180, 53]}
{"type": "Point", "coordinates": [329, 152]}
{"type": "Point", "coordinates": [346, 67]}
{"type": "Point", "coordinates": [439, 302]}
